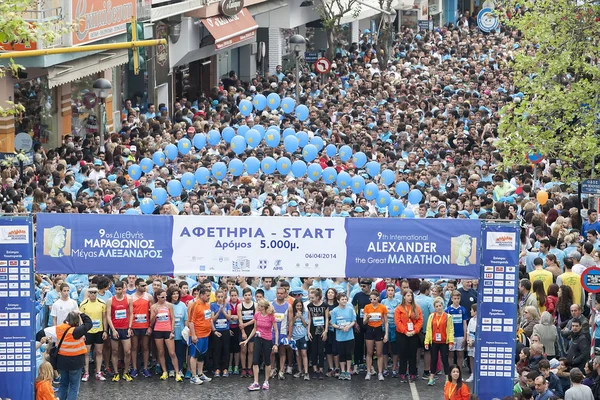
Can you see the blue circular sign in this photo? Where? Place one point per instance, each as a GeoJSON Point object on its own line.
{"type": "Point", "coordinates": [486, 20]}
{"type": "Point", "coordinates": [590, 280]}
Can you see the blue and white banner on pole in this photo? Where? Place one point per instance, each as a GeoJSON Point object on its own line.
{"type": "Point", "coordinates": [497, 312]}
{"type": "Point", "coordinates": [17, 312]}
{"type": "Point", "coordinates": [256, 246]}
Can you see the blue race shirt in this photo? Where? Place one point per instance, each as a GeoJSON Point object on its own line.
{"type": "Point", "coordinates": [181, 316]}
{"type": "Point", "coordinates": [458, 316]}
{"type": "Point", "coordinates": [342, 317]}
{"type": "Point", "coordinates": [221, 324]}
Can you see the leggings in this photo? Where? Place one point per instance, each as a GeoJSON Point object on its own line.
{"type": "Point", "coordinates": [440, 349]}
{"type": "Point", "coordinates": [359, 345]}
{"type": "Point", "coordinates": [220, 347]}
{"type": "Point", "coordinates": [408, 352]}
{"type": "Point", "coordinates": [317, 351]}
{"type": "Point", "coordinates": [262, 347]}
{"type": "Point", "coordinates": [345, 350]}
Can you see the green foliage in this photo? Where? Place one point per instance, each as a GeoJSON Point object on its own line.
{"type": "Point", "coordinates": [331, 13]}
{"type": "Point", "coordinates": [556, 67]}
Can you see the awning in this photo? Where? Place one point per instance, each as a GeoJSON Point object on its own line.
{"type": "Point", "coordinates": [228, 31]}
{"type": "Point", "coordinates": [74, 70]}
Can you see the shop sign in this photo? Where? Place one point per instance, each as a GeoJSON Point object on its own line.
{"type": "Point", "coordinates": [18, 46]}
{"type": "Point", "coordinates": [161, 59]}
{"type": "Point", "coordinates": [230, 7]}
{"type": "Point", "coordinates": [99, 19]}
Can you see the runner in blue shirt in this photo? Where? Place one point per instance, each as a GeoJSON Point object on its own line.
{"type": "Point", "coordinates": [343, 319]}
{"type": "Point", "coordinates": [391, 302]}
{"type": "Point", "coordinates": [459, 318]}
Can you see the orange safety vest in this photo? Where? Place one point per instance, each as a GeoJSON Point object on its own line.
{"type": "Point", "coordinates": [70, 346]}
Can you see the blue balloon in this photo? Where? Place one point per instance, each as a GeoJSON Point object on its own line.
{"type": "Point", "coordinates": [268, 165]}
{"type": "Point", "coordinates": [287, 132]}
{"type": "Point", "coordinates": [291, 143]}
{"type": "Point", "coordinates": [238, 144]}
{"type": "Point", "coordinates": [253, 138]}
{"type": "Point", "coordinates": [171, 151]}
{"type": "Point", "coordinates": [272, 138]}
{"type": "Point", "coordinates": [359, 159]}
{"type": "Point", "coordinates": [246, 107]}
{"type": "Point", "coordinates": [383, 198]}
{"type": "Point", "coordinates": [261, 130]}
{"type": "Point", "coordinates": [395, 208]}
{"type": "Point", "coordinates": [302, 112]}
{"type": "Point", "coordinates": [357, 184]}
{"type": "Point", "coordinates": [277, 128]}
{"type": "Point", "coordinates": [331, 150]}
{"type": "Point", "coordinates": [402, 189]}
{"type": "Point", "coordinates": [214, 137]}
{"type": "Point", "coordinates": [407, 213]}
{"type": "Point", "coordinates": [388, 177]}
{"type": "Point", "coordinates": [343, 180]}
{"type": "Point", "coordinates": [373, 168]}
{"type": "Point", "coordinates": [134, 171]}
{"type": "Point", "coordinates": [284, 165]}
{"type": "Point", "coordinates": [132, 211]}
{"type": "Point", "coordinates": [236, 167]}
{"type": "Point", "coordinates": [146, 165]}
{"type": "Point", "coordinates": [242, 130]}
{"type": "Point", "coordinates": [202, 175]}
{"type": "Point", "coordinates": [259, 102]}
{"type": "Point", "coordinates": [371, 191]}
{"type": "Point", "coordinates": [302, 138]}
{"type": "Point", "coordinates": [227, 134]}
{"type": "Point", "coordinates": [159, 158]}
{"type": "Point", "coordinates": [309, 152]}
{"type": "Point", "coordinates": [219, 170]}
{"type": "Point", "coordinates": [184, 145]}
{"type": "Point", "coordinates": [199, 141]}
{"type": "Point", "coordinates": [345, 153]}
{"type": "Point", "coordinates": [314, 171]}
{"type": "Point", "coordinates": [329, 175]}
{"type": "Point", "coordinates": [318, 142]}
{"type": "Point", "coordinates": [174, 187]}
{"type": "Point", "coordinates": [252, 165]}
{"type": "Point", "coordinates": [188, 180]}
{"type": "Point", "coordinates": [299, 168]}
{"type": "Point", "coordinates": [273, 101]}
{"type": "Point", "coordinates": [159, 195]}
{"type": "Point", "coordinates": [287, 105]}
{"type": "Point", "coordinates": [415, 196]}
{"type": "Point", "coordinates": [147, 206]}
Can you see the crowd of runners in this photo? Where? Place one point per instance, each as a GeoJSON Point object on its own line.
{"type": "Point", "coordinates": [431, 115]}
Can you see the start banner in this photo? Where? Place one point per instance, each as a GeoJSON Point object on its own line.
{"type": "Point", "coordinates": [256, 246]}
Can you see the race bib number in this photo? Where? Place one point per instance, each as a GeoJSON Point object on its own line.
{"type": "Point", "coordinates": [342, 322]}
{"type": "Point", "coordinates": [96, 324]}
{"type": "Point", "coordinates": [120, 314]}
{"type": "Point", "coordinates": [207, 314]}
{"type": "Point", "coordinates": [247, 315]}
{"type": "Point", "coordinates": [298, 322]}
{"type": "Point", "coordinates": [410, 326]}
{"type": "Point", "coordinates": [221, 323]}
{"type": "Point", "coordinates": [177, 320]}
{"type": "Point", "coordinates": [319, 321]}
{"type": "Point", "coordinates": [163, 317]}
{"type": "Point", "coordinates": [457, 318]}
{"type": "Point", "coordinates": [438, 337]}
{"type": "Point", "coordinates": [375, 316]}
{"type": "Point", "coordinates": [141, 318]}
{"type": "Point", "coordinates": [279, 317]}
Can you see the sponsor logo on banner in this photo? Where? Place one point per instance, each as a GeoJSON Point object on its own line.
{"type": "Point", "coordinates": [57, 241]}
{"type": "Point", "coordinates": [13, 263]}
{"type": "Point", "coordinates": [99, 19]}
{"type": "Point", "coordinates": [501, 240]}
{"type": "Point", "coordinates": [463, 250]}
{"type": "Point", "coordinates": [14, 234]}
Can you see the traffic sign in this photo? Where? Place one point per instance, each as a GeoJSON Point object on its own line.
{"type": "Point", "coordinates": [590, 280]}
{"type": "Point", "coordinates": [590, 186]}
{"type": "Point", "coordinates": [323, 65]}
{"type": "Point", "coordinates": [311, 57]}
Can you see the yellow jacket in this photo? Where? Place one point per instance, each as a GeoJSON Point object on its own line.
{"type": "Point", "coordinates": [448, 333]}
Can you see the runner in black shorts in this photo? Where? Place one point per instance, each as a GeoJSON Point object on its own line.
{"type": "Point", "coordinates": [246, 318]}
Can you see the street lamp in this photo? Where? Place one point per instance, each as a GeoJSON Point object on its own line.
{"type": "Point", "coordinates": [102, 88]}
{"type": "Point", "coordinates": [298, 41]}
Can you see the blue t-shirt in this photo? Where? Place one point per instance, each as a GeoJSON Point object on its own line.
{"type": "Point", "coordinates": [221, 324]}
{"type": "Point", "coordinates": [181, 316]}
{"type": "Point", "coordinates": [391, 307]}
{"type": "Point", "coordinates": [342, 317]}
{"type": "Point", "coordinates": [458, 316]}
{"type": "Point", "coordinates": [270, 294]}
{"type": "Point", "coordinates": [425, 303]}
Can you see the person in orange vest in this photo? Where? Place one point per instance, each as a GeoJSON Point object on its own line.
{"type": "Point", "coordinates": [71, 354]}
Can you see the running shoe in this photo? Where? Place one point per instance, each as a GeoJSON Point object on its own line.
{"type": "Point", "coordinates": [133, 373]}
{"type": "Point", "coordinates": [196, 380]}
{"type": "Point", "coordinates": [254, 387]}
{"type": "Point", "coordinates": [367, 377]}
{"type": "Point", "coordinates": [425, 377]}
{"type": "Point", "coordinates": [373, 371]}
{"type": "Point", "coordinates": [394, 373]}
{"type": "Point", "coordinates": [380, 377]}
{"type": "Point", "coordinates": [157, 370]}
{"type": "Point", "coordinates": [348, 376]}
{"type": "Point", "coordinates": [469, 379]}
{"type": "Point", "coordinates": [329, 373]}
{"type": "Point", "coordinates": [273, 373]}
{"type": "Point", "coordinates": [217, 374]}
{"type": "Point", "coordinates": [225, 373]}
{"type": "Point", "coordinates": [431, 382]}
{"type": "Point", "coordinates": [412, 378]}
{"type": "Point", "coordinates": [306, 377]}
{"type": "Point", "coordinates": [386, 372]}
{"type": "Point", "coordinates": [236, 371]}
{"type": "Point", "coordinates": [297, 375]}
{"type": "Point", "coordinates": [116, 378]}
{"type": "Point", "coordinates": [243, 374]}
{"type": "Point", "coordinates": [205, 378]}
{"type": "Point", "coordinates": [164, 376]}
{"type": "Point", "coordinates": [289, 370]}
{"type": "Point", "coordinates": [281, 375]}
{"type": "Point", "coordinates": [127, 377]}
{"type": "Point", "coordinates": [171, 374]}
{"type": "Point", "coordinates": [100, 377]}
{"type": "Point", "coordinates": [265, 385]}
{"type": "Point", "coordinates": [314, 375]}
{"type": "Point", "coordinates": [178, 378]}
{"type": "Point", "coordinates": [342, 376]}
{"type": "Point", "coordinates": [230, 370]}
{"type": "Point", "coordinates": [355, 370]}
{"type": "Point", "coordinates": [188, 375]}
{"type": "Point", "coordinates": [146, 373]}
{"type": "Point", "coordinates": [85, 377]}
{"type": "Point", "coordinates": [320, 376]}
{"type": "Point", "coordinates": [403, 378]}
{"type": "Point", "coordinates": [336, 372]}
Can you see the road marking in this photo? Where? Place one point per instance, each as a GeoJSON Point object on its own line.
{"type": "Point", "coordinates": [413, 389]}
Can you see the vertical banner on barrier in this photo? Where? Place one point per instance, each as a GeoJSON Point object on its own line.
{"type": "Point", "coordinates": [17, 312]}
{"type": "Point", "coordinates": [497, 311]}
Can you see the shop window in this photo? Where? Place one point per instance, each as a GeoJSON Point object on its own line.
{"type": "Point", "coordinates": [83, 107]}
{"type": "Point", "coordinates": [39, 119]}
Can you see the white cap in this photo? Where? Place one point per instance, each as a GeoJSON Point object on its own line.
{"type": "Point", "coordinates": [274, 85]}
